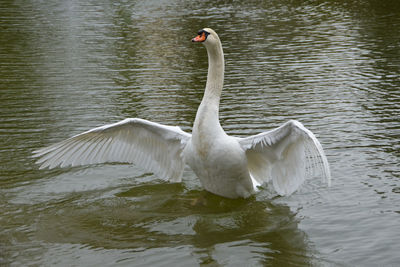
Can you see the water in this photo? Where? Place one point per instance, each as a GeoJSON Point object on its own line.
{"type": "Point", "coordinates": [69, 66]}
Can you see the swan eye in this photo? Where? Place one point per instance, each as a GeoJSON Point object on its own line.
{"type": "Point", "coordinates": [203, 34]}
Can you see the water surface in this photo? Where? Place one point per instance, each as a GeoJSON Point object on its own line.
{"type": "Point", "coordinates": [69, 66]}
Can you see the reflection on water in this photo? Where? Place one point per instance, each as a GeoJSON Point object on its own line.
{"type": "Point", "coordinates": [68, 66]}
{"type": "Point", "coordinates": [166, 215]}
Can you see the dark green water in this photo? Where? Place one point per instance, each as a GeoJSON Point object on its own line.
{"type": "Point", "coordinates": [69, 66]}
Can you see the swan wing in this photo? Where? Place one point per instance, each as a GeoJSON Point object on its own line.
{"type": "Point", "coordinates": [285, 156]}
{"type": "Point", "coordinates": [156, 147]}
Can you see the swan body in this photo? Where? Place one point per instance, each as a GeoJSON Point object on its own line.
{"type": "Point", "coordinates": [227, 166]}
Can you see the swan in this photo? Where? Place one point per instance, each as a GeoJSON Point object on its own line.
{"type": "Point", "coordinates": [228, 166]}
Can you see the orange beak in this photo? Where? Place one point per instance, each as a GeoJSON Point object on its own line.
{"type": "Point", "coordinates": [200, 38]}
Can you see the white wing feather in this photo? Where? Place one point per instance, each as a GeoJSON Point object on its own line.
{"type": "Point", "coordinates": [155, 147]}
{"type": "Point", "coordinates": [285, 156]}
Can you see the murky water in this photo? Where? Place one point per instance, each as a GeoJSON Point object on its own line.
{"type": "Point", "coordinates": [69, 66]}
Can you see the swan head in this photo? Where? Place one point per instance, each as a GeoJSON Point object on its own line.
{"type": "Point", "coordinates": [206, 36]}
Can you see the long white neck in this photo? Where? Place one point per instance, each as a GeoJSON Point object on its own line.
{"type": "Point", "coordinates": [207, 114]}
{"type": "Point", "coordinates": [215, 77]}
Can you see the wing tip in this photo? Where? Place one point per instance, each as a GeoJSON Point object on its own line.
{"type": "Point", "coordinates": [328, 177]}
{"type": "Point", "coordinates": [39, 152]}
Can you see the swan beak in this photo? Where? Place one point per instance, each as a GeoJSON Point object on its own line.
{"type": "Point", "coordinates": [200, 38]}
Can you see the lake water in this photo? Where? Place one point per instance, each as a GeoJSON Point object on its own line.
{"type": "Point", "coordinates": [68, 66]}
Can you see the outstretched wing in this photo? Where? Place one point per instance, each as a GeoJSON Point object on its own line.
{"type": "Point", "coordinates": [155, 147]}
{"type": "Point", "coordinates": [285, 155]}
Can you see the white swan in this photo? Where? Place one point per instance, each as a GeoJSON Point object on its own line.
{"type": "Point", "coordinates": [227, 166]}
